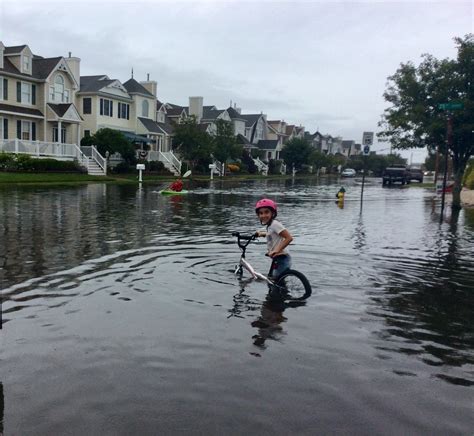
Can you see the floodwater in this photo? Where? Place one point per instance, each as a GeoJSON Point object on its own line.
{"type": "Point", "coordinates": [121, 313]}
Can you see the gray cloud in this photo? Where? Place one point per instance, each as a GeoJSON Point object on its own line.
{"type": "Point", "coordinates": [321, 64]}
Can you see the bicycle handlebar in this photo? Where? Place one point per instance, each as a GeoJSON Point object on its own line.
{"type": "Point", "coordinates": [244, 237]}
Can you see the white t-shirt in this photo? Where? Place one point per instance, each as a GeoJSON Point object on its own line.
{"type": "Point", "coordinates": [273, 235]}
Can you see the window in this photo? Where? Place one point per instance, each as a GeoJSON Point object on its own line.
{"type": "Point", "coordinates": [87, 105]}
{"type": "Point", "coordinates": [26, 92]}
{"type": "Point", "coordinates": [106, 107]}
{"type": "Point", "coordinates": [63, 135]}
{"type": "Point", "coordinates": [161, 117]}
{"type": "Point", "coordinates": [124, 111]}
{"type": "Point", "coordinates": [26, 64]}
{"type": "Point", "coordinates": [58, 92]}
{"type": "Point", "coordinates": [87, 133]}
{"type": "Point", "coordinates": [145, 108]}
{"type": "Point", "coordinates": [26, 130]}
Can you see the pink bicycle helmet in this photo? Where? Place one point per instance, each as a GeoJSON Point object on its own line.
{"type": "Point", "coordinates": [266, 202]}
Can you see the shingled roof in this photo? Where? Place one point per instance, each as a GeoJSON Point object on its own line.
{"type": "Point", "coordinates": [94, 83]}
{"type": "Point", "coordinates": [20, 110]}
{"type": "Point", "coordinates": [14, 49]}
{"type": "Point", "coordinates": [42, 67]}
{"type": "Point", "coordinates": [133, 87]}
{"type": "Point", "coordinates": [250, 119]}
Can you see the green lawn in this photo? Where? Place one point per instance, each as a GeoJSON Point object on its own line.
{"type": "Point", "coordinates": [50, 178]}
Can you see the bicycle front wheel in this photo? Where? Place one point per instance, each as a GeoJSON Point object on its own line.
{"type": "Point", "coordinates": [293, 285]}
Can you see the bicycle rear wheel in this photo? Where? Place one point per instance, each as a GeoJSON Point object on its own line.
{"type": "Point", "coordinates": [293, 286]}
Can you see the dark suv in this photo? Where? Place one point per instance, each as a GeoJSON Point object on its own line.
{"type": "Point", "coordinates": [395, 174]}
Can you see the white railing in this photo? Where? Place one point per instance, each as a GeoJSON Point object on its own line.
{"type": "Point", "coordinates": [92, 153]}
{"type": "Point", "coordinates": [220, 167]}
{"type": "Point", "coordinates": [55, 150]}
{"type": "Point", "coordinates": [168, 156]}
{"type": "Point", "coordinates": [39, 148]}
{"type": "Point", "coordinates": [262, 167]}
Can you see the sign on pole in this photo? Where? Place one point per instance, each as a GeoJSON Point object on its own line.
{"type": "Point", "coordinates": [450, 106]}
{"type": "Point", "coordinates": [367, 141]}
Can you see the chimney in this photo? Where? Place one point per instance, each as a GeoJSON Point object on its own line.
{"type": "Point", "coordinates": [74, 65]}
{"type": "Point", "coordinates": [150, 85]}
{"type": "Point", "coordinates": [2, 48]}
{"type": "Point", "coordinates": [195, 107]}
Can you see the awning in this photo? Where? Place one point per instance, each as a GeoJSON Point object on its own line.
{"type": "Point", "coordinates": [136, 138]}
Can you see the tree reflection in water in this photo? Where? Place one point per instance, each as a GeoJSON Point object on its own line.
{"type": "Point", "coordinates": [428, 309]}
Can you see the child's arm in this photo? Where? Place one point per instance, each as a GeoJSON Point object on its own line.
{"type": "Point", "coordinates": [260, 233]}
{"type": "Point", "coordinates": [287, 238]}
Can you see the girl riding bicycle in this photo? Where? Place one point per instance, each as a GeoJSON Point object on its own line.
{"type": "Point", "coordinates": [278, 237]}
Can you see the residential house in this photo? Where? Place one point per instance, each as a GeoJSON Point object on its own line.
{"type": "Point", "coordinates": [128, 107]}
{"type": "Point", "coordinates": [37, 97]}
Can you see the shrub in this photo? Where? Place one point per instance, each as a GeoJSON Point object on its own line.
{"type": "Point", "coordinates": [122, 167]}
{"type": "Point", "coordinates": [156, 165]}
{"type": "Point", "coordinates": [24, 162]}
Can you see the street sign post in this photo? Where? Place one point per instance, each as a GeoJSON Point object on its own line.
{"type": "Point", "coordinates": [367, 141]}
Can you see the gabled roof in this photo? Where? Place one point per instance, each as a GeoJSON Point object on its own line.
{"type": "Point", "coordinates": [267, 144]}
{"type": "Point", "coordinates": [233, 114]}
{"type": "Point", "coordinates": [94, 83]}
{"type": "Point", "coordinates": [175, 111]}
{"type": "Point", "coordinates": [348, 143]}
{"type": "Point", "coordinates": [250, 119]}
{"type": "Point", "coordinates": [42, 67]}
{"type": "Point", "coordinates": [166, 127]}
{"type": "Point", "coordinates": [14, 49]}
{"type": "Point", "coordinates": [133, 87]}
{"type": "Point", "coordinates": [211, 114]}
{"type": "Point", "coordinates": [60, 109]}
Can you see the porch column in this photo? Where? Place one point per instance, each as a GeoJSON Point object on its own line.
{"type": "Point", "coordinates": [78, 135]}
{"type": "Point", "coordinates": [59, 131]}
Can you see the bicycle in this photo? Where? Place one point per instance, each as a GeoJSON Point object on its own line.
{"type": "Point", "coordinates": [290, 285]}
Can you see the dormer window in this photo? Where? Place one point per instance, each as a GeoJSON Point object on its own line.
{"type": "Point", "coordinates": [26, 64]}
{"type": "Point", "coordinates": [58, 93]}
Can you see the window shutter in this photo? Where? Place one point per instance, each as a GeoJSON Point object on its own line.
{"type": "Point", "coordinates": [128, 111]}
{"type": "Point", "coordinates": [102, 106]}
{"type": "Point", "coordinates": [18, 129]}
{"type": "Point", "coordinates": [33, 94]}
{"type": "Point", "coordinates": [18, 92]}
{"type": "Point", "coordinates": [33, 131]}
{"type": "Point", "coordinates": [5, 89]}
{"type": "Point", "coordinates": [5, 128]}
{"type": "Point", "coordinates": [111, 108]}
{"type": "Point", "coordinates": [119, 110]}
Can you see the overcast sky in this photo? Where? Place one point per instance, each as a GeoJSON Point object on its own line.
{"type": "Point", "coordinates": [322, 64]}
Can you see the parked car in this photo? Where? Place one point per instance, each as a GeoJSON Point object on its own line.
{"type": "Point", "coordinates": [348, 172]}
{"type": "Point", "coordinates": [395, 174]}
{"type": "Point", "coordinates": [415, 174]}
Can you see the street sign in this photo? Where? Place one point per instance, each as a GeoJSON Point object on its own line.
{"type": "Point", "coordinates": [367, 141]}
{"type": "Point", "coordinates": [450, 106]}
{"type": "Point", "coordinates": [367, 138]}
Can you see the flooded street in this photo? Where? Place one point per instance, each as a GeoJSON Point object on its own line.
{"type": "Point", "coordinates": [122, 315]}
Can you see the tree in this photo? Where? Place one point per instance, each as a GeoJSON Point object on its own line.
{"type": "Point", "coordinates": [192, 142]}
{"type": "Point", "coordinates": [415, 118]}
{"type": "Point", "coordinates": [224, 143]}
{"type": "Point", "coordinates": [112, 141]}
{"type": "Point", "coordinates": [296, 152]}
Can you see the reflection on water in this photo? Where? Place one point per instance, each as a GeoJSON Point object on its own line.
{"type": "Point", "coordinates": [119, 304]}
